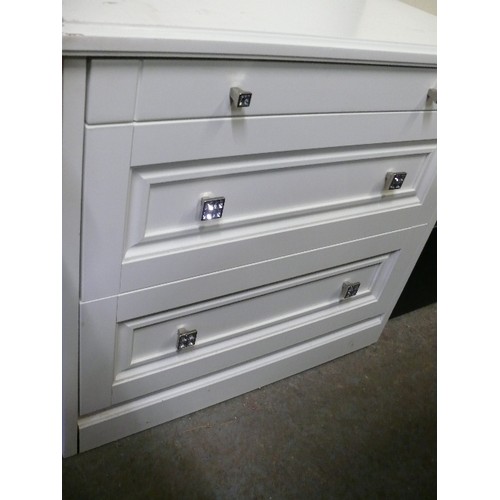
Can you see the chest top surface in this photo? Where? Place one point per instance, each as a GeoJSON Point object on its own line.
{"type": "Point", "coordinates": [370, 31]}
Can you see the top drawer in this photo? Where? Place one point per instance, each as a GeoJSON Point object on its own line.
{"type": "Point", "coordinates": [144, 90]}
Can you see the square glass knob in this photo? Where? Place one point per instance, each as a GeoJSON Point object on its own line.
{"type": "Point", "coordinates": [432, 95]}
{"type": "Point", "coordinates": [350, 289]}
{"type": "Point", "coordinates": [211, 208]}
{"type": "Point", "coordinates": [394, 180]}
{"type": "Point", "coordinates": [186, 338]}
{"type": "Point", "coordinates": [240, 98]}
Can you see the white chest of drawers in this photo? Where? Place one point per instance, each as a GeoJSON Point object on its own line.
{"type": "Point", "coordinates": [150, 132]}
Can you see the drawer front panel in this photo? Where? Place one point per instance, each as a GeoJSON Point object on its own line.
{"type": "Point", "coordinates": [128, 358]}
{"type": "Point", "coordinates": [155, 337]}
{"type": "Point", "coordinates": [165, 201]}
{"type": "Point", "coordinates": [172, 89]}
{"type": "Point", "coordinates": [141, 224]}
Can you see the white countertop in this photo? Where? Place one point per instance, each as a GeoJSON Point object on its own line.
{"type": "Point", "coordinates": [376, 31]}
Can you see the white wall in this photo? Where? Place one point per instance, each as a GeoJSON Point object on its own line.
{"type": "Point", "coordinates": [427, 5]}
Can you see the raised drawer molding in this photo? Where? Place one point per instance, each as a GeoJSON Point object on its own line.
{"type": "Point", "coordinates": [325, 186]}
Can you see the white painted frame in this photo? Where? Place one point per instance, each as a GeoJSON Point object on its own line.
{"type": "Point", "coordinates": [73, 109]}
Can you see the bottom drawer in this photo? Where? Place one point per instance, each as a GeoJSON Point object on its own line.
{"type": "Point", "coordinates": [230, 330]}
{"type": "Point", "coordinates": [124, 360]}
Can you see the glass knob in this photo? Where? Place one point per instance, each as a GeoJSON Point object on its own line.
{"type": "Point", "coordinates": [240, 98]}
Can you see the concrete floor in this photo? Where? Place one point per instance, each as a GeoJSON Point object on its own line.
{"type": "Point", "coordinates": [361, 427]}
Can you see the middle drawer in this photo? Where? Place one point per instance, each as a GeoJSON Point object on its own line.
{"type": "Point", "coordinates": [143, 227]}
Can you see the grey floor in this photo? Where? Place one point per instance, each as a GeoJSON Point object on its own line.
{"type": "Point", "coordinates": [362, 426]}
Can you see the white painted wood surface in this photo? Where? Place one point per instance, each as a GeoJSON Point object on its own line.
{"type": "Point", "coordinates": [178, 88]}
{"type": "Point", "coordinates": [264, 190]}
{"type": "Point", "coordinates": [203, 287]}
{"type": "Point", "coordinates": [74, 86]}
{"type": "Point", "coordinates": [358, 30]}
{"type": "Point", "coordinates": [105, 185]}
{"type": "Point", "coordinates": [126, 201]}
{"type": "Point", "coordinates": [339, 99]}
{"type": "Point", "coordinates": [112, 89]}
{"type": "Point", "coordinates": [180, 140]}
